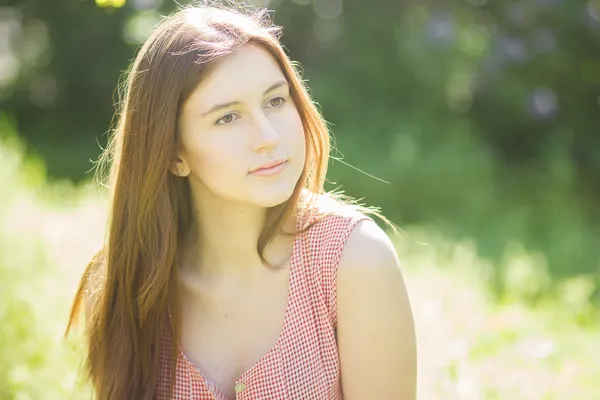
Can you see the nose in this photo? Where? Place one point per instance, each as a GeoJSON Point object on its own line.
{"type": "Point", "coordinates": [266, 137]}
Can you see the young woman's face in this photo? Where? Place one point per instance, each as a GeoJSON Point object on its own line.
{"type": "Point", "coordinates": [241, 118]}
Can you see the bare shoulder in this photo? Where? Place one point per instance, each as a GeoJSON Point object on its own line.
{"type": "Point", "coordinates": [376, 338]}
{"type": "Point", "coordinates": [368, 248]}
{"type": "Point", "coordinates": [369, 264]}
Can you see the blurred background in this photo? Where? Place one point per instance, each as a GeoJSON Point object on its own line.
{"type": "Point", "coordinates": [470, 123]}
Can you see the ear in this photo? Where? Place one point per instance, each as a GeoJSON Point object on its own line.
{"type": "Point", "coordinates": [179, 167]}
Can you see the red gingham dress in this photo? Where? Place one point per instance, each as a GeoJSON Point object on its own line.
{"type": "Point", "coordinates": [303, 364]}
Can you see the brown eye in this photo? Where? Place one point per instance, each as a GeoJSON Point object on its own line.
{"type": "Point", "coordinates": [226, 119]}
{"type": "Point", "coordinates": [276, 102]}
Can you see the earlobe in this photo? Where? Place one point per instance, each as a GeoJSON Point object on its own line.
{"type": "Point", "coordinates": [179, 168]}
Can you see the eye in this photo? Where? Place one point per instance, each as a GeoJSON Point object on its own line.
{"type": "Point", "coordinates": [226, 119]}
{"type": "Point", "coordinates": [276, 102]}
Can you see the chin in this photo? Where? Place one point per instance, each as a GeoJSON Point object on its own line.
{"type": "Point", "coordinates": [269, 201]}
{"type": "Point", "coordinates": [272, 196]}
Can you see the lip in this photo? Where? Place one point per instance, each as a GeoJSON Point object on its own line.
{"type": "Point", "coordinates": [269, 168]}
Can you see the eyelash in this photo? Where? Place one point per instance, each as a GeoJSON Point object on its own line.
{"type": "Point", "coordinates": [283, 101]}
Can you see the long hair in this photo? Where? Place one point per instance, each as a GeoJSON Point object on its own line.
{"type": "Point", "coordinates": [129, 286]}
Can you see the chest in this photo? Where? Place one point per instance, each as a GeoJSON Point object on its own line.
{"type": "Point", "coordinates": [227, 330]}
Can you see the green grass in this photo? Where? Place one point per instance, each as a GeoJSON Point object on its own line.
{"type": "Point", "coordinates": [471, 344]}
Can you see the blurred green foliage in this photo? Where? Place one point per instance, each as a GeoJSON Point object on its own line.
{"type": "Point", "coordinates": [35, 362]}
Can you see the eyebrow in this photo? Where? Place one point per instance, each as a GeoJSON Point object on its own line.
{"type": "Point", "coordinates": [220, 106]}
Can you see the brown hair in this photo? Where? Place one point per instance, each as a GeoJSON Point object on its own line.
{"type": "Point", "coordinates": [130, 285]}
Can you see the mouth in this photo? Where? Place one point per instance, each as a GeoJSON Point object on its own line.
{"type": "Point", "coordinates": [269, 168]}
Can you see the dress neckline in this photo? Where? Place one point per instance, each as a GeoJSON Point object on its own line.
{"type": "Point", "coordinates": [291, 286]}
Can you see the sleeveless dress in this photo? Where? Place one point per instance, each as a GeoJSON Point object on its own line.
{"type": "Point", "coordinates": [303, 363]}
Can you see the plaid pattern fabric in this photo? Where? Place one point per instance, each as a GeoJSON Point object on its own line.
{"type": "Point", "coordinates": [303, 364]}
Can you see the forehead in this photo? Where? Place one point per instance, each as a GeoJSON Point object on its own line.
{"type": "Point", "coordinates": [245, 73]}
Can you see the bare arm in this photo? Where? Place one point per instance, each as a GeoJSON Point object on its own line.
{"type": "Point", "coordinates": [376, 336]}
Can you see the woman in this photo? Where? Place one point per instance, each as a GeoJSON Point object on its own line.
{"type": "Point", "coordinates": [227, 271]}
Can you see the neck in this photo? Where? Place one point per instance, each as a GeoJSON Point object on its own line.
{"type": "Point", "coordinates": [223, 236]}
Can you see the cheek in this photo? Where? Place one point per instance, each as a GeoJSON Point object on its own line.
{"type": "Point", "coordinates": [216, 162]}
{"type": "Point", "coordinates": [300, 141]}
{"type": "Point", "coordinates": [292, 125]}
